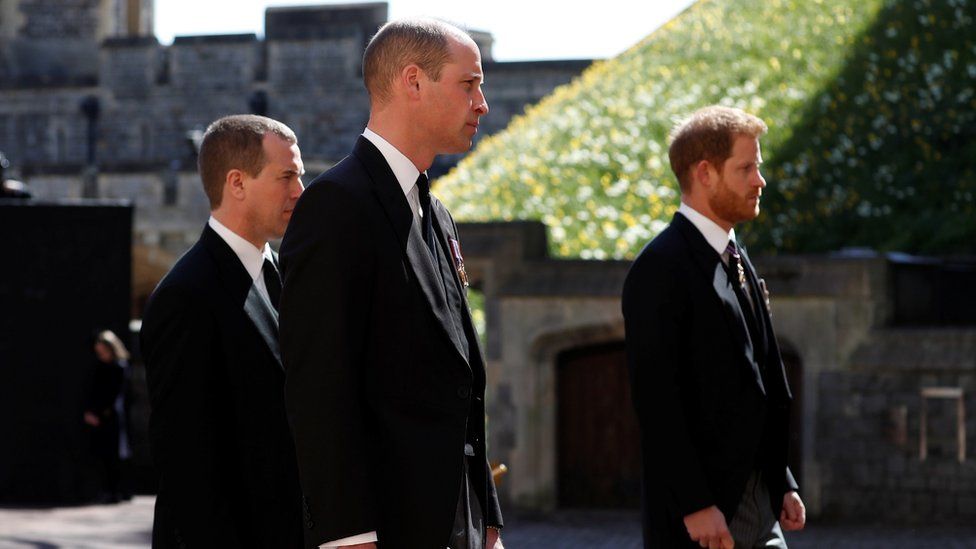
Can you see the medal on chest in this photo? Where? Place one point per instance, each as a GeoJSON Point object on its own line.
{"type": "Point", "coordinates": [458, 261]}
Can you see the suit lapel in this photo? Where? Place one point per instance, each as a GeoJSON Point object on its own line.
{"type": "Point", "coordinates": [411, 241]}
{"type": "Point", "coordinates": [773, 363]}
{"type": "Point", "coordinates": [442, 232]}
{"type": "Point", "coordinates": [714, 269]}
{"type": "Point", "coordinates": [760, 315]}
{"type": "Point", "coordinates": [239, 287]}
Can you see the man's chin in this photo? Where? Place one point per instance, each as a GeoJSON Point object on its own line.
{"type": "Point", "coordinates": [751, 213]}
{"type": "Point", "coordinates": [280, 230]}
{"type": "Point", "coordinates": [462, 146]}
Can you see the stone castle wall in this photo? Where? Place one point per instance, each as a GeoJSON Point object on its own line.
{"type": "Point", "coordinates": [305, 72]}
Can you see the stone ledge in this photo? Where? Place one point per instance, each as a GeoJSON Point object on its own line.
{"type": "Point", "coordinates": [917, 350]}
{"type": "Point", "coordinates": [214, 39]}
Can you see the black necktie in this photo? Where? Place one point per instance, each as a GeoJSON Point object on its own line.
{"type": "Point", "coordinates": [423, 189]}
{"type": "Point", "coordinates": [272, 281]}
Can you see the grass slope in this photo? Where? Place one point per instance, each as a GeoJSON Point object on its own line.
{"type": "Point", "coordinates": [590, 160]}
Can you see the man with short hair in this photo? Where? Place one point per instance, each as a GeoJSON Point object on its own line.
{"type": "Point", "coordinates": [218, 429]}
{"type": "Point", "coordinates": [385, 377]}
{"type": "Point", "coordinates": [707, 379]}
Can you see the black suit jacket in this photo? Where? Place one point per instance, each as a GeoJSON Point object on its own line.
{"type": "Point", "coordinates": [379, 393]}
{"type": "Point", "coordinates": [712, 404]}
{"type": "Point", "coordinates": [218, 429]}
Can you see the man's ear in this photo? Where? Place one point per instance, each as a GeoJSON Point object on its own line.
{"type": "Point", "coordinates": [702, 172]}
{"type": "Point", "coordinates": [410, 79]}
{"type": "Point", "coordinates": [234, 184]}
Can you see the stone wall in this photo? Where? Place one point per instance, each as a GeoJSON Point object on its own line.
{"type": "Point", "coordinates": [49, 42]}
{"type": "Point", "coordinates": [306, 72]}
{"type": "Point", "coordinates": [869, 429]}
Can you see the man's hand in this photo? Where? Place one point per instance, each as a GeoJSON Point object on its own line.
{"type": "Point", "coordinates": [709, 529]}
{"type": "Point", "coordinates": [794, 515]}
{"type": "Point", "coordinates": [493, 539]}
{"type": "Point", "coordinates": [92, 419]}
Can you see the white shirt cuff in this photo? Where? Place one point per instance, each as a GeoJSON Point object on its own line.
{"type": "Point", "coordinates": [369, 537]}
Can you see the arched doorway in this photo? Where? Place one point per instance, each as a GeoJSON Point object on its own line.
{"type": "Point", "coordinates": [597, 436]}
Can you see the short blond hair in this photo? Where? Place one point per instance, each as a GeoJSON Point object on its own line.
{"type": "Point", "coordinates": [422, 42]}
{"type": "Point", "coordinates": [708, 134]}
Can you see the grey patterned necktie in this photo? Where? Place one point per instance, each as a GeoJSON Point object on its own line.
{"type": "Point", "coordinates": [272, 281]}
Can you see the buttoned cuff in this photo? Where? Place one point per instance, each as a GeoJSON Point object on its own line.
{"type": "Point", "coordinates": [369, 537]}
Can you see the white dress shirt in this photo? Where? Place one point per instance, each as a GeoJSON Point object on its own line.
{"type": "Point", "coordinates": [716, 236]}
{"type": "Point", "coordinates": [252, 258]}
{"type": "Point", "coordinates": [406, 175]}
{"type": "Point", "coordinates": [404, 170]}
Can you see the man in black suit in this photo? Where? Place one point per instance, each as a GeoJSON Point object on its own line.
{"type": "Point", "coordinates": [385, 377]}
{"type": "Point", "coordinates": [218, 429]}
{"type": "Point", "coordinates": [706, 375]}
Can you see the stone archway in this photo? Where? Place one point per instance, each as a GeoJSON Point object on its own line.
{"type": "Point", "coordinates": [532, 456]}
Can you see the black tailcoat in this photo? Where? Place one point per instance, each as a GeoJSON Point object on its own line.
{"type": "Point", "coordinates": [712, 403]}
{"type": "Point", "coordinates": [385, 376]}
{"type": "Point", "coordinates": [218, 429]}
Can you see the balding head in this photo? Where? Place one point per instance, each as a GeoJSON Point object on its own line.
{"type": "Point", "coordinates": [398, 44]}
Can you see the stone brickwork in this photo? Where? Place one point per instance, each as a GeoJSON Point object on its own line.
{"type": "Point", "coordinates": [869, 429]}
{"type": "Point", "coordinates": [305, 72]}
{"type": "Point", "coordinates": [46, 19]}
{"type": "Point", "coordinates": [130, 67]}
{"type": "Point", "coordinates": [55, 42]}
{"type": "Point", "coordinates": [206, 66]}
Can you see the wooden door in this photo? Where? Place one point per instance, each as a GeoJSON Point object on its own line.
{"type": "Point", "coordinates": [598, 440]}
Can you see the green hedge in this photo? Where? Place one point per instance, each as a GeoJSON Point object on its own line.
{"type": "Point", "coordinates": [590, 160]}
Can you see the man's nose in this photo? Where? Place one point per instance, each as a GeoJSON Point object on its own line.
{"type": "Point", "coordinates": [481, 106]}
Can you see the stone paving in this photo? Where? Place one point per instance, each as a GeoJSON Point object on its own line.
{"type": "Point", "coordinates": [129, 525]}
{"type": "Point", "coordinates": [121, 526]}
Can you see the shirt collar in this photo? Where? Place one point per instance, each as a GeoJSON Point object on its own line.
{"type": "Point", "coordinates": [252, 258]}
{"type": "Point", "coordinates": [403, 169]}
{"type": "Point", "coordinates": [716, 236]}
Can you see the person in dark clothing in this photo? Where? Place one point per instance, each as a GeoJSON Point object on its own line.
{"type": "Point", "coordinates": [707, 379]}
{"type": "Point", "coordinates": [385, 383]}
{"type": "Point", "coordinates": [218, 433]}
{"type": "Point", "coordinates": [105, 413]}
